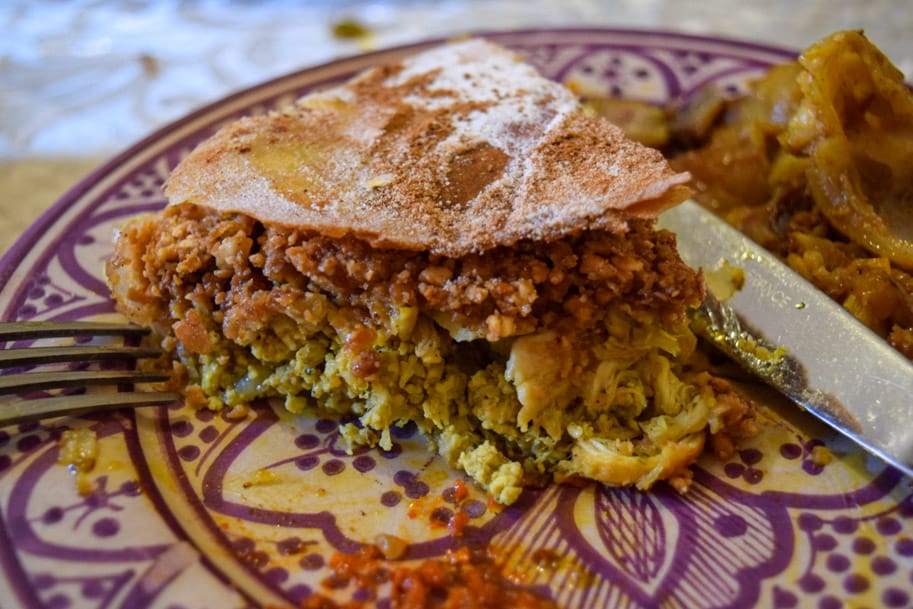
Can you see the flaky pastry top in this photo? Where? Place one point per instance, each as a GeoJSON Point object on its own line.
{"type": "Point", "coordinates": [458, 149]}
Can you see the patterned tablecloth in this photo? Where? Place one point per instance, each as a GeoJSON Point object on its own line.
{"type": "Point", "coordinates": [82, 80]}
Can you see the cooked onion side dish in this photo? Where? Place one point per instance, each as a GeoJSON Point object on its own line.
{"type": "Point", "coordinates": [452, 241]}
{"type": "Point", "coordinates": [815, 163]}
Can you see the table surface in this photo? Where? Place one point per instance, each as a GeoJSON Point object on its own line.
{"type": "Point", "coordinates": [82, 80]}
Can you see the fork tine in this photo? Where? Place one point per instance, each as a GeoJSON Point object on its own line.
{"type": "Point", "coordinates": [28, 356]}
{"type": "Point", "coordinates": [22, 330]}
{"type": "Point", "coordinates": [27, 409]}
{"type": "Point", "coordinates": [31, 410]}
{"type": "Point", "coordinates": [29, 381]}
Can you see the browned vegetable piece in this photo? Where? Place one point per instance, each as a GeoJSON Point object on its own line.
{"type": "Point", "coordinates": [733, 169]}
{"type": "Point", "coordinates": [641, 121]}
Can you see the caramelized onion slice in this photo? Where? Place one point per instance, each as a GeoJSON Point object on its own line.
{"type": "Point", "coordinates": [856, 124]}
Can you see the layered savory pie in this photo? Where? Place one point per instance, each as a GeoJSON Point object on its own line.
{"type": "Point", "coordinates": [450, 241]}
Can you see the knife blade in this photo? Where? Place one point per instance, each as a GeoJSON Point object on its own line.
{"type": "Point", "coordinates": [798, 340]}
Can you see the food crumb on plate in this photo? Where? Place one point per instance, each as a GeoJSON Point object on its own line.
{"type": "Point", "coordinates": [79, 452]}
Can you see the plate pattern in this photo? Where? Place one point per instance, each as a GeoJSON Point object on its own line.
{"type": "Point", "coordinates": [190, 509]}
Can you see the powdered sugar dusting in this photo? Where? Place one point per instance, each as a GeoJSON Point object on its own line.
{"type": "Point", "coordinates": [470, 71]}
{"type": "Point", "coordinates": [514, 100]}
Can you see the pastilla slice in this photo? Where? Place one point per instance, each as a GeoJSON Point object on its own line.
{"type": "Point", "coordinates": [451, 241]}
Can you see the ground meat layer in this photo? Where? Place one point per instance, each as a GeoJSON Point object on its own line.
{"type": "Point", "coordinates": [232, 263]}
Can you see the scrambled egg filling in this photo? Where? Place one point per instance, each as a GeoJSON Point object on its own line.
{"type": "Point", "coordinates": [616, 409]}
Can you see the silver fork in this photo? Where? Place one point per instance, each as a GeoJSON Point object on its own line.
{"type": "Point", "coordinates": [28, 407]}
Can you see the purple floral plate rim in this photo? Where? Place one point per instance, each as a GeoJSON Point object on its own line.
{"type": "Point", "coordinates": [746, 500]}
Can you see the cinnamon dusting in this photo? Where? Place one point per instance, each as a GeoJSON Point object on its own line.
{"type": "Point", "coordinates": [456, 150]}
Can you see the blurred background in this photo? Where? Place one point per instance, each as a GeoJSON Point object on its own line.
{"type": "Point", "coordinates": [82, 80]}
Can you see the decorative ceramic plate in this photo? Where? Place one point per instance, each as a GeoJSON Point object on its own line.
{"type": "Point", "coordinates": [188, 509]}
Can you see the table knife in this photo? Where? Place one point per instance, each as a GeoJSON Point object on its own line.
{"type": "Point", "coordinates": [798, 340]}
